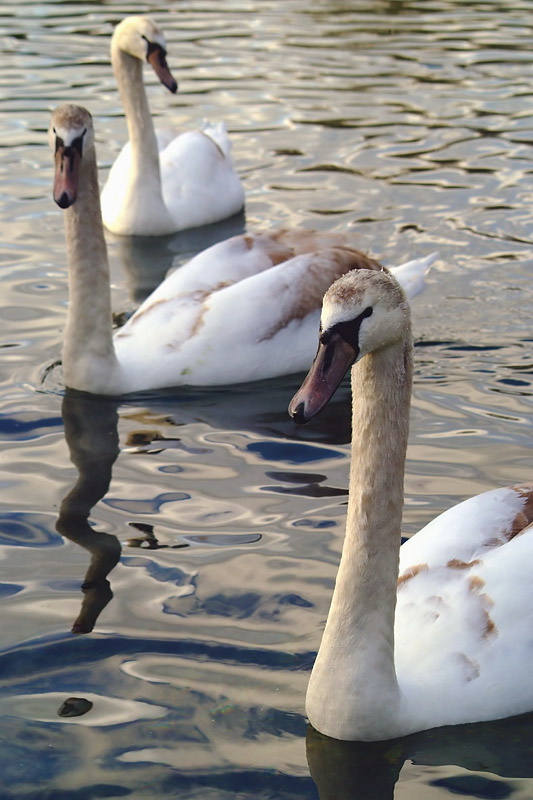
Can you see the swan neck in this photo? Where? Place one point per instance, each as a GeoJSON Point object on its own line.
{"type": "Point", "coordinates": [359, 636]}
{"type": "Point", "coordinates": [129, 77]}
{"type": "Point", "coordinates": [381, 391]}
{"type": "Point", "coordinates": [88, 334]}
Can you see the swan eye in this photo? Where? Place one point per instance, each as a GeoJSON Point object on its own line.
{"type": "Point", "coordinates": [152, 48]}
{"type": "Point", "coordinates": [349, 331]}
{"type": "Point", "coordinates": [77, 144]}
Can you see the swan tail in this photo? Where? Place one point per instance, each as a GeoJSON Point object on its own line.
{"type": "Point", "coordinates": [219, 135]}
{"type": "Point", "coordinates": [411, 275]}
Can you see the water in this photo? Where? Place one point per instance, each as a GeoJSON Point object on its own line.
{"type": "Point", "coordinates": [218, 524]}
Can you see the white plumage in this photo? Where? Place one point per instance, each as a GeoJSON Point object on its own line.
{"type": "Point", "coordinates": [439, 631]}
{"type": "Point", "coordinates": [241, 310]}
{"type": "Point", "coordinates": [162, 182]}
{"type": "Point", "coordinates": [464, 639]}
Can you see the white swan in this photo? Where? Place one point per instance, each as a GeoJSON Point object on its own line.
{"type": "Point", "coordinates": [160, 182]}
{"type": "Point", "coordinates": [241, 310]}
{"type": "Point", "coordinates": [445, 636]}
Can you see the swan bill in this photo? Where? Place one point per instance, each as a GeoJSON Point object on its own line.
{"type": "Point", "coordinates": [334, 358]}
{"type": "Point", "coordinates": [156, 57]}
{"type": "Point", "coordinates": [67, 166]}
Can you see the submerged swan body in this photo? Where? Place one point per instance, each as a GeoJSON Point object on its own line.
{"type": "Point", "coordinates": [439, 631]}
{"type": "Point", "coordinates": [161, 182]}
{"type": "Point", "coordinates": [241, 310]}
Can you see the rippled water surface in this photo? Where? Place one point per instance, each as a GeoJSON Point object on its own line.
{"type": "Point", "coordinates": [218, 523]}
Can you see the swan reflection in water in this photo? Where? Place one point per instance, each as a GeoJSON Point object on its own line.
{"type": "Point", "coordinates": [91, 432]}
{"type": "Point", "coordinates": [92, 438]}
{"type": "Point", "coordinates": [485, 759]}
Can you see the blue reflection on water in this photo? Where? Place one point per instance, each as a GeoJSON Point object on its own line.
{"type": "Point", "coordinates": [65, 652]}
{"type": "Point", "coordinates": [26, 529]}
{"type": "Point", "coordinates": [291, 452]}
{"type": "Point", "coordinates": [27, 426]}
{"type": "Point", "coordinates": [8, 589]}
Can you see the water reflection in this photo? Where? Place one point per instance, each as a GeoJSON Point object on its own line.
{"type": "Point", "coordinates": [404, 123]}
{"type": "Point", "coordinates": [370, 770]}
{"type": "Point", "coordinates": [92, 438]}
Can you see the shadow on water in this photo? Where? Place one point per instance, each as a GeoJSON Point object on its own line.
{"type": "Point", "coordinates": [370, 770]}
{"type": "Point", "coordinates": [259, 408]}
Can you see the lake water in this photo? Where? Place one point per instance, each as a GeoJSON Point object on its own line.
{"type": "Point", "coordinates": [219, 523]}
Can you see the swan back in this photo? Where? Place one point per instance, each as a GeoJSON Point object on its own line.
{"type": "Point", "coordinates": [269, 291]}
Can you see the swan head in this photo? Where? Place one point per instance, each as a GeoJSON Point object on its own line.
{"type": "Point", "coordinates": [140, 37]}
{"type": "Point", "coordinates": [362, 312]}
{"type": "Point", "coordinates": [71, 137]}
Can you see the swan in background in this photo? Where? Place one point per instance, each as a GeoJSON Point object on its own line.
{"type": "Point", "coordinates": [439, 631]}
{"type": "Point", "coordinates": [241, 310]}
{"type": "Point", "coordinates": [162, 182]}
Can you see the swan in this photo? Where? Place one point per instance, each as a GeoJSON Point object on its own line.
{"type": "Point", "coordinates": [436, 632]}
{"type": "Point", "coordinates": [161, 183]}
{"type": "Point", "coordinates": [241, 310]}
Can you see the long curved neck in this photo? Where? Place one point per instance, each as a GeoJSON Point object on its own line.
{"type": "Point", "coordinates": [354, 669]}
{"type": "Point", "coordinates": [88, 351]}
{"type": "Point", "coordinates": [145, 153]}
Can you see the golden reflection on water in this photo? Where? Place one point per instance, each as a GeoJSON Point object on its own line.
{"type": "Point", "coordinates": [406, 123]}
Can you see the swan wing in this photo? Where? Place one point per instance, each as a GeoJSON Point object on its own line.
{"type": "Point", "coordinates": [463, 619]}
{"type": "Point", "coordinates": [237, 258]}
{"type": "Point", "coordinates": [259, 326]}
{"type": "Point", "coordinates": [469, 529]}
{"type": "Point", "coordinates": [244, 309]}
{"type": "Point", "coordinates": [198, 179]}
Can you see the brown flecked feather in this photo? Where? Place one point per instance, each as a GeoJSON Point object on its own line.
{"type": "Point", "coordinates": [327, 266]}
{"type": "Point", "coordinates": [410, 573]}
{"type": "Point", "coordinates": [524, 519]}
{"type": "Point", "coordinates": [456, 563]}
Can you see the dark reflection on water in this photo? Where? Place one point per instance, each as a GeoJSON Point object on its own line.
{"type": "Point", "coordinates": [217, 522]}
{"type": "Point", "coordinates": [91, 434]}
{"type": "Point", "coordinates": [370, 770]}
{"type": "Point", "coordinates": [259, 408]}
